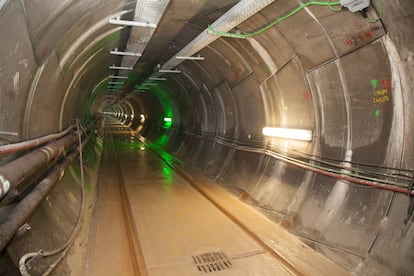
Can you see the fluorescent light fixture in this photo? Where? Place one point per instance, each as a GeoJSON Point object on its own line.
{"type": "Point", "coordinates": [118, 77]}
{"type": "Point", "coordinates": [189, 58]}
{"type": "Point", "coordinates": [132, 23]}
{"type": "Point", "coordinates": [120, 67]}
{"type": "Point", "coordinates": [115, 82]}
{"type": "Point", "coordinates": [169, 71]}
{"type": "Point", "coordinates": [118, 53]}
{"type": "Point", "coordinates": [288, 133]}
{"type": "Point", "coordinates": [157, 79]}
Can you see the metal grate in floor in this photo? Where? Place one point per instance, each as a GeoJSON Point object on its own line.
{"type": "Point", "coordinates": [210, 262]}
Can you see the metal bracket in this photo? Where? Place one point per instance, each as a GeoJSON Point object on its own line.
{"type": "Point", "coordinates": [410, 211]}
{"type": "Point", "coordinates": [34, 259]}
{"type": "Point", "coordinates": [21, 231]}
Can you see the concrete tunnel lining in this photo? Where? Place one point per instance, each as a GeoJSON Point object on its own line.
{"type": "Point", "coordinates": [332, 72]}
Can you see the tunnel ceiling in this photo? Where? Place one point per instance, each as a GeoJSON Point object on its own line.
{"type": "Point", "coordinates": [345, 78]}
{"type": "Point", "coordinates": [67, 50]}
{"type": "Point", "coordinates": [180, 23]}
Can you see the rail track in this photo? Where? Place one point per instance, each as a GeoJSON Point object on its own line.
{"type": "Point", "coordinates": [165, 224]}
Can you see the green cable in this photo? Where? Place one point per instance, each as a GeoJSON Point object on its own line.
{"type": "Point", "coordinates": [333, 9]}
{"type": "Point", "coordinates": [380, 11]}
{"type": "Point", "coordinates": [280, 19]}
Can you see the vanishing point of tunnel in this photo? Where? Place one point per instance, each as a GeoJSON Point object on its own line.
{"type": "Point", "coordinates": [206, 137]}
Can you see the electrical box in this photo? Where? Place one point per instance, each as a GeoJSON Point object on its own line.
{"type": "Point", "coordinates": [355, 5]}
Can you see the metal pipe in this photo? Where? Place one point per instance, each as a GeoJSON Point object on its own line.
{"type": "Point", "coordinates": [158, 79]}
{"type": "Point", "coordinates": [19, 214]}
{"type": "Point", "coordinates": [116, 52]}
{"type": "Point", "coordinates": [190, 58]}
{"type": "Point", "coordinates": [19, 170]}
{"type": "Point", "coordinates": [29, 144]}
{"type": "Point", "coordinates": [118, 77]}
{"type": "Point", "coordinates": [169, 71]}
{"type": "Point", "coordinates": [120, 67]}
{"type": "Point", "coordinates": [9, 133]}
{"type": "Point", "coordinates": [132, 23]}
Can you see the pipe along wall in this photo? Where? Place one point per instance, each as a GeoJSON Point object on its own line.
{"type": "Point", "coordinates": [347, 191]}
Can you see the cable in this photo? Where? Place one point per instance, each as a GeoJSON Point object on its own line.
{"type": "Point", "coordinates": [349, 174]}
{"type": "Point", "coordinates": [358, 173]}
{"type": "Point", "coordinates": [29, 144]}
{"type": "Point", "coordinates": [310, 157]}
{"type": "Point", "coordinates": [332, 8]}
{"type": "Point", "coordinates": [380, 13]}
{"type": "Point", "coordinates": [67, 245]}
{"type": "Point", "coordinates": [273, 23]}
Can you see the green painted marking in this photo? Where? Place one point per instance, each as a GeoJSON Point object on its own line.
{"type": "Point", "coordinates": [374, 83]}
{"type": "Point", "coordinates": [377, 113]}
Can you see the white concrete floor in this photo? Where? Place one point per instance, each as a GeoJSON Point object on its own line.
{"type": "Point", "coordinates": [171, 223]}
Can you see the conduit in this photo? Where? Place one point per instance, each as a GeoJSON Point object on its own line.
{"type": "Point", "coordinates": [26, 167]}
{"type": "Point", "coordinates": [23, 267]}
{"type": "Point", "coordinates": [19, 215]}
{"type": "Point", "coordinates": [399, 184]}
{"type": "Point", "coordinates": [29, 144]}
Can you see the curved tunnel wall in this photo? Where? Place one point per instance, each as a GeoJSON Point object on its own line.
{"type": "Point", "coordinates": [334, 73]}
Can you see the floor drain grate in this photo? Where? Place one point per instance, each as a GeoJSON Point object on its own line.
{"type": "Point", "coordinates": [210, 262]}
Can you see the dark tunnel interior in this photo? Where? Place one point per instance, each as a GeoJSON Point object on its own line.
{"type": "Point", "coordinates": [299, 108]}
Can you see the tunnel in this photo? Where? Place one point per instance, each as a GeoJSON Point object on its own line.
{"type": "Point", "coordinates": [292, 118]}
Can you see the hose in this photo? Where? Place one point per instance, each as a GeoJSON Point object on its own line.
{"type": "Point", "coordinates": [15, 173]}
{"type": "Point", "coordinates": [63, 249]}
{"type": "Point", "coordinates": [29, 144]}
{"type": "Point", "coordinates": [380, 13]}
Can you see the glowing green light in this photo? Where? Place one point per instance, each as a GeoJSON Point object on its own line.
{"type": "Point", "coordinates": [162, 140]}
{"type": "Point", "coordinates": [167, 122]}
{"type": "Point", "coordinates": [164, 97]}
